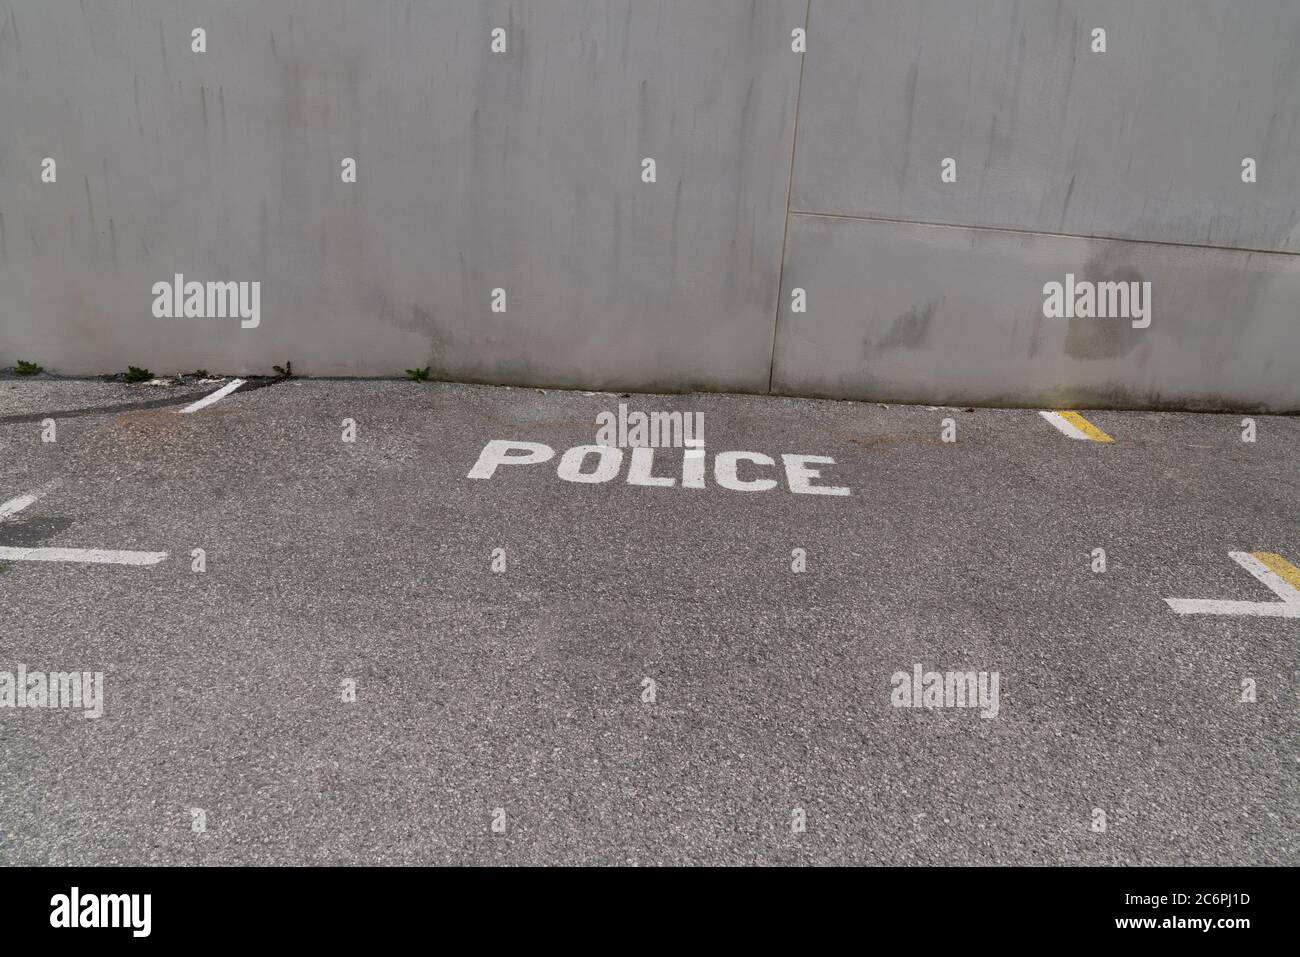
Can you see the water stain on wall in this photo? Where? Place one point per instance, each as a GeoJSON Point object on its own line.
{"type": "Point", "coordinates": [1106, 338]}
{"type": "Point", "coordinates": [911, 329]}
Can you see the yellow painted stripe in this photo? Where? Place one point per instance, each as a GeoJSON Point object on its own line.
{"type": "Point", "coordinates": [1280, 567]}
{"type": "Point", "coordinates": [1086, 427]}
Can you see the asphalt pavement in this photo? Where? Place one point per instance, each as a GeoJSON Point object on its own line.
{"type": "Point", "coordinates": [554, 664]}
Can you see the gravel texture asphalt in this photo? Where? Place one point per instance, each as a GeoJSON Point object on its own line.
{"type": "Point", "coordinates": [520, 696]}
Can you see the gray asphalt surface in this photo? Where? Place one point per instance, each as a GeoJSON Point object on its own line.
{"type": "Point", "coordinates": [522, 690]}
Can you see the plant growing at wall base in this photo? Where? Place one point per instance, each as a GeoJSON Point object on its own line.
{"type": "Point", "coordinates": [418, 375]}
{"type": "Point", "coordinates": [285, 370]}
{"type": "Point", "coordinates": [28, 368]}
{"type": "Point", "coordinates": [136, 374]}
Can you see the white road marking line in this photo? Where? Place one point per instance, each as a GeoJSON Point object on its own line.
{"type": "Point", "coordinates": [1212, 606]}
{"type": "Point", "coordinates": [1069, 428]}
{"type": "Point", "coordinates": [1288, 607]}
{"type": "Point", "coordinates": [1276, 584]}
{"type": "Point", "coordinates": [217, 396]}
{"type": "Point", "coordinates": [98, 556]}
{"type": "Point", "coordinates": [16, 505]}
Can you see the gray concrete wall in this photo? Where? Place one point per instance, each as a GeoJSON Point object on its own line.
{"type": "Point", "coordinates": [950, 315]}
{"type": "Point", "coordinates": [1138, 149]}
{"type": "Point", "coordinates": [522, 171]}
{"type": "Point", "coordinates": [476, 171]}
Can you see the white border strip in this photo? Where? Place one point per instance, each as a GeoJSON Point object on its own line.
{"type": "Point", "coordinates": [1213, 606]}
{"type": "Point", "coordinates": [217, 396]}
{"type": "Point", "coordinates": [97, 556]}
{"type": "Point", "coordinates": [1275, 582]}
{"type": "Point", "coordinates": [16, 505]}
{"type": "Point", "coordinates": [1066, 426]}
{"type": "Point", "coordinates": [1288, 607]}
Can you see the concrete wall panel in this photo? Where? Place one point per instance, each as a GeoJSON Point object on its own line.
{"type": "Point", "coordinates": [1144, 141]}
{"type": "Point", "coordinates": [919, 313]}
{"type": "Point", "coordinates": [476, 170]}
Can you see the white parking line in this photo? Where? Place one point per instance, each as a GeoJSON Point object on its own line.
{"type": "Point", "coordinates": [98, 556]}
{"type": "Point", "coordinates": [1066, 427]}
{"type": "Point", "coordinates": [217, 396]}
{"type": "Point", "coordinates": [1288, 607]}
{"type": "Point", "coordinates": [16, 505]}
{"type": "Point", "coordinates": [1076, 426]}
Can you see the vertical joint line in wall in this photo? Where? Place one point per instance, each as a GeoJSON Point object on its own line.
{"type": "Point", "coordinates": [789, 189]}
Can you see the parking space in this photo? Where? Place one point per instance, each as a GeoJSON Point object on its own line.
{"type": "Point", "coordinates": [644, 655]}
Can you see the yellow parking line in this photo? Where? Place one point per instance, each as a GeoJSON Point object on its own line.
{"type": "Point", "coordinates": [1280, 567]}
{"type": "Point", "coordinates": [1086, 427]}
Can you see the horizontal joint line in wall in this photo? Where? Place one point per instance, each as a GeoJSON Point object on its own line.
{"type": "Point", "coordinates": [1042, 232]}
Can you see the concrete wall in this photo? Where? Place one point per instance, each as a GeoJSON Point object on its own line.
{"type": "Point", "coordinates": [1138, 148]}
{"type": "Point", "coordinates": [476, 171]}
{"type": "Point", "coordinates": [522, 171]}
